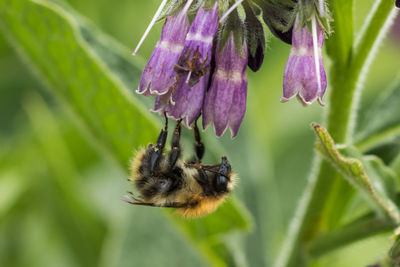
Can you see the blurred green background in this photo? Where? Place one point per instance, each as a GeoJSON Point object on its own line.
{"type": "Point", "coordinates": [60, 186]}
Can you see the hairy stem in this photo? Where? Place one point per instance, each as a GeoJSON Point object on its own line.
{"type": "Point", "coordinates": [322, 190]}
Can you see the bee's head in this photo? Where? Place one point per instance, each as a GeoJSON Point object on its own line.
{"type": "Point", "coordinates": [224, 180]}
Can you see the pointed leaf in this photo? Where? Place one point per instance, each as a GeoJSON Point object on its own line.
{"type": "Point", "coordinates": [354, 171]}
{"type": "Point", "coordinates": [381, 124]}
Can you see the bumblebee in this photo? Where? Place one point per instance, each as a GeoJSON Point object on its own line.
{"type": "Point", "coordinates": [165, 180]}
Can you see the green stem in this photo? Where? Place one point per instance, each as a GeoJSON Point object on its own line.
{"type": "Point", "coordinates": [342, 109]}
{"type": "Point", "coordinates": [309, 220]}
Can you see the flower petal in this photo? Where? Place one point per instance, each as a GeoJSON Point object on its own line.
{"type": "Point", "coordinates": [159, 74]}
{"type": "Point", "coordinates": [238, 109]}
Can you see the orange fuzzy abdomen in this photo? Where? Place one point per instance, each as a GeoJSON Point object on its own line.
{"type": "Point", "coordinates": [203, 207]}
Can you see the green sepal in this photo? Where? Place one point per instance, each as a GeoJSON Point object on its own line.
{"type": "Point", "coordinates": [171, 8]}
{"type": "Point", "coordinates": [209, 4]}
{"type": "Point", "coordinates": [223, 6]}
{"type": "Point", "coordinates": [195, 7]}
{"type": "Point", "coordinates": [174, 6]}
{"type": "Point", "coordinates": [277, 15]}
{"type": "Point", "coordinates": [308, 9]}
{"type": "Point", "coordinates": [255, 32]}
{"type": "Point", "coordinates": [232, 25]}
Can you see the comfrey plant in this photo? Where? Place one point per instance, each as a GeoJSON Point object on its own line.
{"type": "Point", "coordinates": [200, 68]}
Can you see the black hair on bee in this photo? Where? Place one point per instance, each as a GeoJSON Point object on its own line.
{"type": "Point", "coordinates": [190, 187]}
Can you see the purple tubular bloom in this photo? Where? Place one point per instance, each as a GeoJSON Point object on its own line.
{"type": "Point", "coordinates": [193, 70]}
{"type": "Point", "coordinates": [197, 52]}
{"type": "Point", "coordinates": [159, 75]}
{"type": "Point", "coordinates": [225, 102]}
{"type": "Point", "coordinates": [187, 101]}
{"type": "Point", "coordinates": [184, 102]}
{"type": "Point", "coordinates": [300, 76]}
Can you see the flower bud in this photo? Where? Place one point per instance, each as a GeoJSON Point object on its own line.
{"type": "Point", "coordinates": [225, 102]}
{"type": "Point", "coordinates": [301, 72]}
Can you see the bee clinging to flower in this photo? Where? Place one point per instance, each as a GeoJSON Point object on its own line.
{"type": "Point", "coordinates": [165, 180]}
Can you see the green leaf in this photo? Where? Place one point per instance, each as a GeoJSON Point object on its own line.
{"type": "Point", "coordinates": [354, 171]}
{"type": "Point", "coordinates": [91, 74]}
{"type": "Point", "coordinates": [146, 235]}
{"type": "Point", "coordinates": [381, 123]}
{"type": "Point", "coordinates": [12, 188]}
{"type": "Point", "coordinates": [83, 229]}
{"type": "Point", "coordinates": [49, 39]}
{"type": "Point", "coordinates": [381, 175]}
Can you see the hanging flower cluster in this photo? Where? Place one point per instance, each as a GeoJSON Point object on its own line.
{"type": "Point", "coordinates": [199, 64]}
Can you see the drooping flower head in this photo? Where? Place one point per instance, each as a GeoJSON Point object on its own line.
{"type": "Point", "coordinates": [192, 69]}
{"type": "Point", "coordinates": [225, 103]}
{"type": "Point", "coordinates": [187, 101]}
{"type": "Point", "coordinates": [197, 52]}
{"type": "Point", "coordinates": [159, 74]}
{"type": "Point", "coordinates": [303, 77]}
{"type": "Point", "coordinates": [304, 74]}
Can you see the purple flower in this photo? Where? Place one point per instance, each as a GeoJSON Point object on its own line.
{"type": "Point", "coordinates": [193, 69]}
{"type": "Point", "coordinates": [184, 102]}
{"type": "Point", "coordinates": [187, 101]}
{"type": "Point", "coordinates": [159, 75]}
{"type": "Point", "coordinates": [301, 72]}
{"type": "Point", "coordinates": [197, 53]}
{"type": "Point", "coordinates": [225, 102]}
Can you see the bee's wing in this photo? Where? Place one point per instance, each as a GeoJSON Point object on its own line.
{"type": "Point", "coordinates": [133, 201]}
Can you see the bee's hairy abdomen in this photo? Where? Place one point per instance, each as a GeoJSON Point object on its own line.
{"type": "Point", "coordinates": [203, 206]}
{"type": "Point", "coordinates": [137, 168]}
{"type": "Point", "coordinates": [160, 185]}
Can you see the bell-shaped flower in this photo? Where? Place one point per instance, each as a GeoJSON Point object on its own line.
{"type": "Point", "coordinates": [197, 53]}
{"type": "Point", "coordinates": [187, 101]}
{"type": "Point", "coordinates": [225, 102]}
{"type": "Point", "coordinates": [304, 74]}
{"type": "Point", "coordinates": [184, 102]}
{"type": "Point", "coordinates": [159, 74]}
{"type": "Point", "coordinates": [192, 70]}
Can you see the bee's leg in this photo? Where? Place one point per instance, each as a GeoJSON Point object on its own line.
{"type": "Point", "coordinates": [203, 180]}
{"type": "Point", "coordinates": [175, 152]}
{"type": "Point", "coordinates": [157, 150]}
{"type": "Point", "coordinates": [199, 146]}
